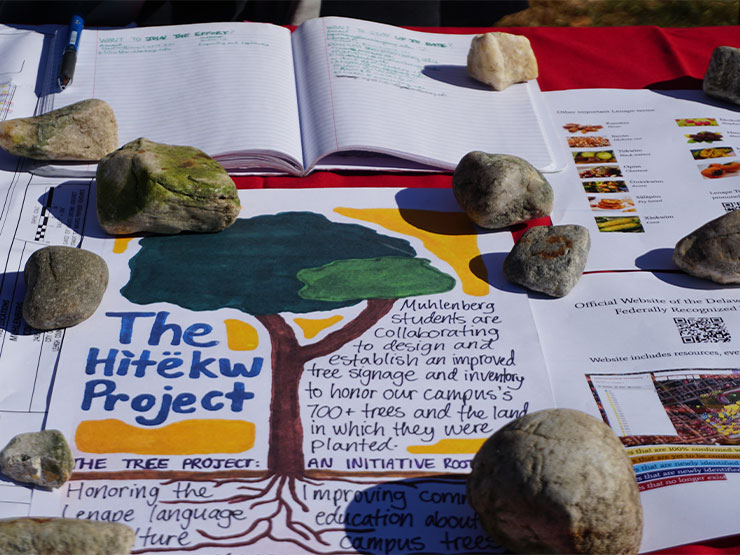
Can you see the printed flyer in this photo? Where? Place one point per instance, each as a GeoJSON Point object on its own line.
{"type": "Point", "coordinates": [317, 378]}
{"type": "Point", "coordinates": [655, 355]}
{"type": "Point", "coordinates": [648, 168]}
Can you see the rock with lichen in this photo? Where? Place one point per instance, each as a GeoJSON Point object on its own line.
{"type": "Point", "coordinates": [42, 458]}
{"type": "Point", "coordinates": [64, 536]}
{"type": "Point", "coordinates": [152, 187]}
{"type": "Point", "coordinates": [549, 259]}
{"type": "Point", "coordinates": [84, 131]}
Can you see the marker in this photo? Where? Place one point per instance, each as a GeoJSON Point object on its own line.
{"type": "Point", "coordinates": [69, 58]}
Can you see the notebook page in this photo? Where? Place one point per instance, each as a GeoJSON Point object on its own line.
{"type": "Point", "coordinates": [221, 87]}
{"type": "Point", "coordinates": [369, 86]}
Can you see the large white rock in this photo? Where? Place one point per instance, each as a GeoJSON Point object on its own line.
{"type": "Point", "coordinates": [501, 59]}
{"type": "Point", "coordinates": [557, 481]}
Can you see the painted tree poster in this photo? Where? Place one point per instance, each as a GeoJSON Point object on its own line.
{"type": "Point", "coordinates": [316, 378]}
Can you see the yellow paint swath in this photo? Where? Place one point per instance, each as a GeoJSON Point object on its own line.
{"type": "Point", "coordinates": [241, 336]}
{"type": "Point", "coordinates": [188, 437]}
{"type": "Point", "coordinates": [449, 235]}
{"type": "Point", "coordinates": [449, 447]}
{"type": "Point", "coordinates": [312, 327]}
{"type": "Point", "coordinates": [120, 244]}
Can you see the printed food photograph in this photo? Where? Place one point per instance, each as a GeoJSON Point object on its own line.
{"type": "Point", "coordinates": [718, 170]}
{"type": "Point", "coordinates": [621, 204]}
{"type": "Point", "coordinates": [605, 186]}
{"type": "Point", "coordinates": [626, 224]}
{"type": "Point", "coordinates": [696, 122]}
{"type": "Point", "coordinates": [579, 128]}
{"type": "Point", "coordinates": [704, 137]}
{"type": "Point", "coordinates": [715, 152]}
{"type": "Point", "coordinates": [588, 142]}
{"type": "Point", "coordinates": [593, 157]}
{"type": "Point", "coordinates": [599, 171]}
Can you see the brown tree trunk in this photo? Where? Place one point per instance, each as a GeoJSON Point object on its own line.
{"type": "Point", "coordinates": [285, 453]}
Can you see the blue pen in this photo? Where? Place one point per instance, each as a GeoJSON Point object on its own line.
{"type": "Point", "coordinates": [69, 58]}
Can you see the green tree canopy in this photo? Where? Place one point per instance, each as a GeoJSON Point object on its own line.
{"type": "Point", "coordinates": [293, 261]}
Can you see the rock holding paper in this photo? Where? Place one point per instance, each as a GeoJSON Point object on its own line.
{"type": "Point", "coordinates": [64, 286]}
{"type": "Point", "coordinates": [84, 131]}
{"type": "Point", "coordinates": [722, 78]}
{"type": "Point", "coordinates": [713, 250]}
{"type": "Point", "coordinates": [64, 536]}
{"type": "Point", "coordinates": [498, 190]}
{"type": "Point", "coordinates": [501, 59]}
{"type": "Point", "coordinates": [42, 458]}
{"type": "Point", "coordinates": [557, 481]}
{"type": "Point", "coordinates": [152, 187]}
{"type": "Point", "coordinates": [549, 259]}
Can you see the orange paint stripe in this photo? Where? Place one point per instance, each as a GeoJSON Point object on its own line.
{"type": "Point", "coordinates": [188, 437]}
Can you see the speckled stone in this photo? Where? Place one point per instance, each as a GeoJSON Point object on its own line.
{"type": "Point", "coordinates": [499, 190]}
{"type": "Point", "coordinates": [557, 481]}
{"type": "Point", "coordinates": [549, 259]}
{"type": "Point", "coordinates": [713, 250]}
{"type": "Point", "coordinates": [722, 78]}
{"type": "Point", "coordinates": [42, 458]}
{"type": "Point", "coordinates": [64, 536]}
{"type": "Point", "coordinates": [84, 131]}
{"type": "Point", "coordinates": [64, 286]}
{"type": "Point", "coordinates": [501, 59]}
{"type": "Point", "coordinates": [151, 187]}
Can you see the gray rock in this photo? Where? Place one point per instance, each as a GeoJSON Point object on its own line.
{"type": "Point", "coordinates": [549, 259]}
{"type": "Point", "coordinates": [152, 187]}
{"type": "Point", "coordinates": [84, 131]}
{"type": "Point", "coordinates": [557, 481]}
{"type": "Point", "coordinates": [64, 286]}
{"type": "Point", "coordinates": [64, 536]}
{"type": "Point", "coordinates": [713, 250]}
{"type": "Point", "coordinates": [722, 78]}
{"type": "Point", "coordinates": [42, 458]}
{"type": "Point", "coordinates": [499, 190]}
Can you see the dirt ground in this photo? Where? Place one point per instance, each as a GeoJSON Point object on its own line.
{"type": "Point", "coordinates": [606, 13]}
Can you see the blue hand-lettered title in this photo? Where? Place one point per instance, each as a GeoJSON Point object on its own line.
{"type": "Point", "coordinates": [155, 408]}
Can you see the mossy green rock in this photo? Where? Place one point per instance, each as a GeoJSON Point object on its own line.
{"type": "Point", "coordinates": [42, 458]}
{"type": "Point", "coordinates": [152, 187]}
{"type": "Point", "coordinates": [84, 131]}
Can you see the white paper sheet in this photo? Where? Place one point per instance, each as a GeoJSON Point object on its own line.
{"type": "Point", "coordinates": [657, 356]}
{"type": "Point", "coordinates": [384, 412]}
{"type": "Point", "coordinates": [651, 174]}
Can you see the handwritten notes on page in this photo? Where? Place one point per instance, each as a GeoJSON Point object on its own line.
{"type": "Point", "coordinates": [219, 87]}
{"type": "Point", "coordinates": [373, 87]}
{"type": "Point", "coordinates": [328, 373]}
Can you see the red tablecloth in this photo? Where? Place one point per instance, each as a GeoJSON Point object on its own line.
{"type": "Point", "coordinates": [577, 58]}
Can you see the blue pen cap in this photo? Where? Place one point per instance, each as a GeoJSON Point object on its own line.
{"type": "Point", "coordinates": [75, 30]}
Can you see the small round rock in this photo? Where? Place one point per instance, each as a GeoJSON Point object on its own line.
{"type": "Point", "coordinates": [557, 481]}
{"type": "Point", "coordinates": [64, 286]}
{"type": "Point", "coordinates": [499, 190]}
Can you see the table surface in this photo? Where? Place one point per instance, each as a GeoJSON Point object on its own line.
{"type": "Point", "coordinates": [643, 57]}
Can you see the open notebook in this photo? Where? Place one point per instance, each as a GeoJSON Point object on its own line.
{"type": "Point", "coordinates": [337, 93]}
